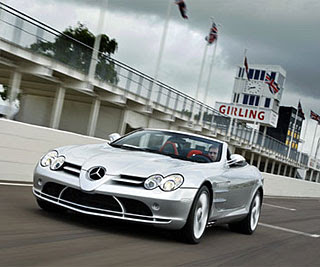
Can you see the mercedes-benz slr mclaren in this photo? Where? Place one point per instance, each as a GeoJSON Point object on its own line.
{"type": "Point", "coordinates": [168, 179]}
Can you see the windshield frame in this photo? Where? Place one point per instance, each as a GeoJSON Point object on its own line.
{"type": "Point", "coordinates": [173, 134]}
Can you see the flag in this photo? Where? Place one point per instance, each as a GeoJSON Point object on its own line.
{"type": "Point", "coordinates": [273, 86]}
{"type": "Point", "coordinates": [213, 34]}
{"type": "Point", "coordinates": [300, 111]}
{"type": "Point", "coordinates": [314, 116]}
{"type": "Point", "coordinates": [182, 8]}
{"type": "Point", "coordinates": [246, 67]}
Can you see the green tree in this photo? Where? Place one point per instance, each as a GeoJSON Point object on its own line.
{"type": "Point", "coordinates": [74, 48]}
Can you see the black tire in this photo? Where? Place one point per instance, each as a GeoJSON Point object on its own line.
{"type": "Point", "coordinates": [187, 233]}
{"type": "Point", "coordinates": [245, 226]}
{"type": "Point", "coordinates": [50, 207]}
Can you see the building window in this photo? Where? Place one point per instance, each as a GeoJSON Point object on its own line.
{"type": "Point", "coordinates": [263, 73]}
{"type": "Point", "coordinates": [296, 146]}
{"type": "Point", "coordinates": [287, 142]}
{"type": "Point", "coordinates": [245, 99]}
{"type": "Point", "coordinates": [239, 73]}
{"type": "Point", "coordinates": [234, 97]}
{"type": "Point", "coordinates": [289, 132]}
{"type": "Point", "coordinates": [273, 75]}
{"type": "Point", "coordinates": [251, 73]}
{"type": "Point", "coordinates": [257, 100]}
{"type": "Point", "coordinates": [267, 103]}
{"type": "Point", "coordinates": [257, 74]}
{"type": "Point", "coordinates": [251, 100]}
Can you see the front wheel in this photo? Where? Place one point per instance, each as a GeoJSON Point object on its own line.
{"type": "Point", "coordinates": [249, 224]}
{"type": "Point", "coordinates": [198, 217]}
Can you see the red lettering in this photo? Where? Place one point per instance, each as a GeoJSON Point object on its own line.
{"type": "Point", "coordinates": [246, 114]}
{"type": "Point", "coordinates": [240, 113]}
{"type": "Point", "coordinates": [235, 111]}
{"type": "Point", "coordinates": [228, 111]}
{"type": "Point", "coordinates": [261, 115]}
{"type": "Point", "coordinates": [252, 114]}
{"type": "Point", "coordinates": [222, 109]}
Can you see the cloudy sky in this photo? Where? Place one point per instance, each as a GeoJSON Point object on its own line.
{"type": "Point", "coordinates": [277, 32]}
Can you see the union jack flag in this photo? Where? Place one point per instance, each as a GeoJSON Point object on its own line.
{"type": "Point", "coordinates": [314, 116]}
{"type": "Point", "coordinates": [273, 85]}
{"type": "Point", "coordinates": [213, 34]}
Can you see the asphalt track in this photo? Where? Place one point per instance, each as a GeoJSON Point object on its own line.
{"type": "Point", "coordinates": [287, 236]}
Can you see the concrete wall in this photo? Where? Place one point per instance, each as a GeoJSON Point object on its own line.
{"type": "Point", "coordinates": [276, 185]}
{"type": "Point", "coordinates": [37, 110]}
{"type": "Point", "coordinates": [153, 123]}
{"type": "Point", "coordinates": [22, 145]}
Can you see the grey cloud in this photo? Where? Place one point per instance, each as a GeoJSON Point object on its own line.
{"type": "Point", "coordinates": [275, 32]}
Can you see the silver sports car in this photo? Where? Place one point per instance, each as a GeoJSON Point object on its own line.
{"type": "Point", "coordinates": [165, 178]}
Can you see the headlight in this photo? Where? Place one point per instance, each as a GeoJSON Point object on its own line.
{"type": "Point", "coordinates": [48, 158]}
{"type": "Point", "coordinates": [153, 182]}
{"type": "Point", "coordinates": [57, 163]}
{"type": "Point", "coordinates": [171, 182]}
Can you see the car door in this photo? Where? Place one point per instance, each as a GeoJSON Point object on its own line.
{"type": "Point", "coordinates": [240, 186]}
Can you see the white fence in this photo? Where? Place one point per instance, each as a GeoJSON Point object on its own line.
{"type": "Point", "coordinates": [22, 145]}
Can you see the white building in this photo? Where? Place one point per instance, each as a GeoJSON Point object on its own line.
{"type": "Point", "coordinates": [256, 99]}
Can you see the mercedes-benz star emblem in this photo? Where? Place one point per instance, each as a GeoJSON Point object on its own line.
{"type": "Point", "coordinates": [96, 173]}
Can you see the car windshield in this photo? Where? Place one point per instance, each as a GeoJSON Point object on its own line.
{"type": "Point", "coordinates": [176, 145]}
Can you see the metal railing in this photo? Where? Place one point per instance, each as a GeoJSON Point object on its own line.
{"type": "Point", "coordinates": [31, 34]}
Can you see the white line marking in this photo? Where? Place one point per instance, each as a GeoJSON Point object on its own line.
{"type": "Point", "coordinates": [279, 207]}
{"type": "Point", "coordinates": [289, 230]}
{"type": "Point", "coordinates": [15, 184]}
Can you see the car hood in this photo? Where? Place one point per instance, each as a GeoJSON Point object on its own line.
{"type": "Point", "coordinates": [122, 161]}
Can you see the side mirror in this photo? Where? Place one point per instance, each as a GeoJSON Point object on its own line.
{"type": "Point", "coordinates": [236, 160]}
{"type": "Point", "coordinates": [113, 137]}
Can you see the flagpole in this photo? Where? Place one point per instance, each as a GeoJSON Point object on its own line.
{"type": "Point", "coordinates": [97, 41]}
{"type": "Point", "coordinates": [163, 40]}
{"type": "Point", "coordinates": [314, 137]}
{"type": "Point", "coordinates": [159, 58]}
{"type": "Point", "coordinates": [210, 73]}
{"type": "Point", "coordinates": [255, 121]}
{"type": "Point", "coordinates": [317, 150]}
{"type": "Point", "coordinates": [201, 71]}
{"type": "Point", "coordinates": [304, 136]}
{"type": "Point", "coordinates": [291, 135]}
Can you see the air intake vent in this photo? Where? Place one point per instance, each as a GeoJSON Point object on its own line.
{"type": "Point", "coordinates": [128, 179]}
{"type": "Point", "coordinates": [71, 169]}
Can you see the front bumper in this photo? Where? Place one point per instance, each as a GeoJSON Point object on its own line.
{"type": "Point", "coordinates": [163, 209]}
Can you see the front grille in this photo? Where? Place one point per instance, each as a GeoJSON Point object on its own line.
{"type": "Point", "coordinates": [71, 168]}
{"type": "Point", "coordinates": [92, 200]}
{"type": "Point", "coordinates": [129, 179]}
